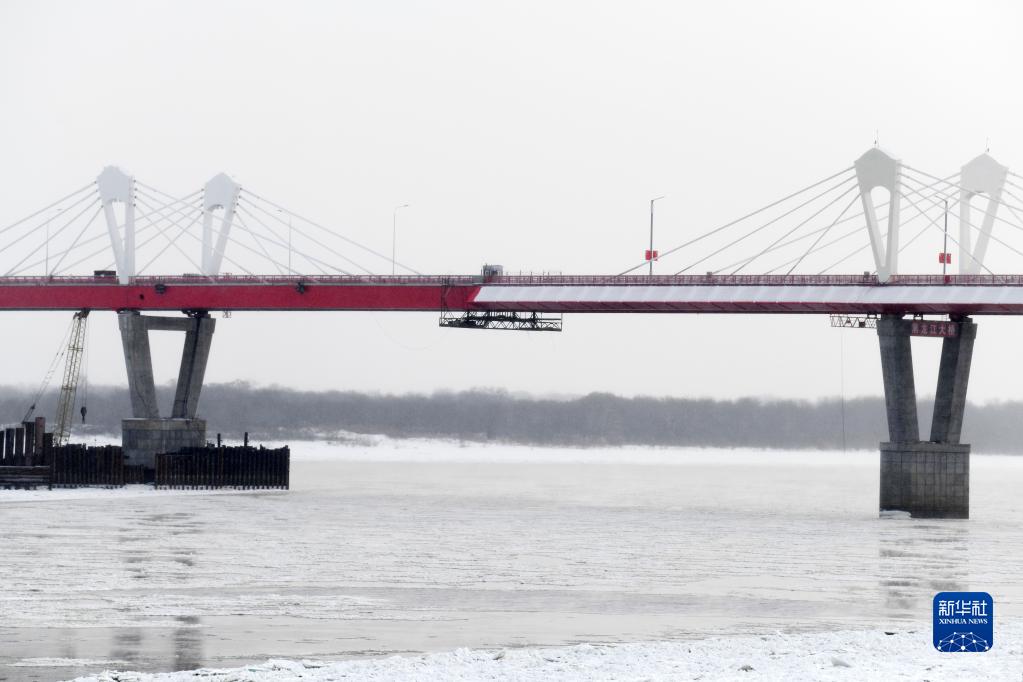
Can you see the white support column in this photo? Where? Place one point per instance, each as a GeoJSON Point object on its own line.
{"type": "Point", "coordinates": [877, 168]}
{"type": "Point", "coordinates": [220, 192]}
{"type": "Point", "coordinates": [117, 186]}
{"type": "Point", "coordinates": [982, 175]}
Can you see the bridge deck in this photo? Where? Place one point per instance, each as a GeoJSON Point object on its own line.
{"type": "Point", "coordinates": [906, 294]}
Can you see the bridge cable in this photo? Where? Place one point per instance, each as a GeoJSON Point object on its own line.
{"type": "Point", "coordinates": [41, 226]}
{"type": "Point", "coordinates": [804, 222]}
{"type": "Point", "coordinates": [228, 258]}
{"type": "Point", "coordinates": [739, 220]}
{"type": "Point", "coordinates": [183, 230]}
{"type": "Point", "coordinates": [822, 247]}
{"type": "Point", "coordinates": [288, 269]}
{"type": "Point", "coordinates": [822, 234]}
{"type": "Point", "coordinates": [934, 204]}
{"type": "Point", "coordinates": [44, 244]}
{"type": "Point", "coordinates": [810, 235]}
{"type": "Point", "coordinates": [278, 264]}
{"type": "Point", "coordinates": [933, 221]}
{"type": "Point", "coordinates": [860, 248]}
{"type": "Point", "coordinates": [961, 189]}
{"type": "Point", "coordinates": [990, 236]}
{"type": "Point", "coordinates": [172, 241]}
{"type": "Point", "coordinates": [189, 204]}
{"type": "Point", "coordinates": [866, 246]}
{"type": "Point", "coordinates": [796, 240]}
{"type": "Point", "coordinates": [64, 254]}
{"type": "Point", "coordinates": [283, 269]}
{"type": "Point", "coordinates": [280, 242]}
{"type": "Point", "coordinates": [329, 231]}
{"type": "Point", "coordinates": [987, 210]}
{"type": "Point", "coordinates": [182, 218]}
{"type": "Point", "coordinates": [953, 239]}
{"type": "Point", "coordinates": [104, 235]}
{"type": "Point", "coordinates": [764, 226]}
{"type": "Point", "coordinates": [47, 208]}
{"type": "Point", "coordinates": [1011, 210]}
{"type": "Point", "coordinates": [92, 254]}
{"type": "Point", "coordinates": [259, 243]}
{"type": "Point", "coordinates": [303, 234]}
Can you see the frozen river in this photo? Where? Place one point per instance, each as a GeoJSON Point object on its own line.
{"type": "Point", "coordinates": [425, 546]}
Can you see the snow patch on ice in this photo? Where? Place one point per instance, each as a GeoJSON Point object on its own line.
{"type": "Point", "coordinates": [64, 662]}
{"type": "Point", "coordinates": [844, 655]}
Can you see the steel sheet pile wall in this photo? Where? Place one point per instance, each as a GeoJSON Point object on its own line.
{"type": "Point", "coordinates": [23, 444]}
{"type": "Point", "coordinates": [24, 477]}
{"type": "Point", "coordinates": [80, 465]}
{"type": "Point", "coordinates": [224, 467]}
{"type": "Point", "coordinates": [23, 455]}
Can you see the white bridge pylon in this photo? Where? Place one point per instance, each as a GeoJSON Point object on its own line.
{"type": "Point", "coordinates": [840, 221]}
{"type": "Point", "coordinates": [980, 176]}
{"type": "Point", "coordinates": [116, 186]}
{"type": "Point", "coordinates": [147, 232]}
{"type": "Point", "coordinates": [874, 169]}
{"type": "Point", "coordinates": [221, 192]}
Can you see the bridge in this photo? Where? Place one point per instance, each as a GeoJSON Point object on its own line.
{"type": "Point", "coordinates": [858, 245]}
{"type": "Point", "coordinates": [779, 294]}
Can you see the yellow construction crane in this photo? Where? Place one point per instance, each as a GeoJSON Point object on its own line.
{"type": "Point", "coordinates": [69, 386]}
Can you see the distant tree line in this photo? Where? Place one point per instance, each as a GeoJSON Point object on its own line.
{"type": "Point", "coordinates": [496, 416]}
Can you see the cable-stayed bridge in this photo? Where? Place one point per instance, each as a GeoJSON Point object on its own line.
{"type": "Point", "coordinates": [865, 240]}
{"type": "Point", "coordinates": [875, 242]}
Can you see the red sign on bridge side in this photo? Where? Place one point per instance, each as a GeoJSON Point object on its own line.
{"type": "Point", "coordinates": [939, 328]}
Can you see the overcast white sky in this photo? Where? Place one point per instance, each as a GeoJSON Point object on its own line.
{"type": "Point", "coordinates": [530, 134]}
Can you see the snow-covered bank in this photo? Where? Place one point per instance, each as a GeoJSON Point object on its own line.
{"type": "Point", "coordinates": [849, 655]}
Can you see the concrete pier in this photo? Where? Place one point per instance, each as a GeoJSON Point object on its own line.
{"type": "Point", "coordinates": [149, 433]}
{"type": "Point", "coordinates": [928, 479]}
{"type": "Point", "coordinates": [143, 439]}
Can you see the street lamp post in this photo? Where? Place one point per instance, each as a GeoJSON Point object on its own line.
{"type": "Point", "coordinates": [394, 236]}
{"type": "Point", "coordinates": [944, 247]}
{"type": "Point", "coordinates": [280, 212]}
{"type": "Point", "coordinates": [47, 257]}
{"type": "Point", "coordinates": [652, 232]}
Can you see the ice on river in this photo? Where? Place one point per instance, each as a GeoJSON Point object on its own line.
{"type": "Point", "coordinates": [423, 547]}
{"type": "Point", "coordinates": [843, 655]}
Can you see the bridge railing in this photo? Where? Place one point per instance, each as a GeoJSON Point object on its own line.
{"type": "Point", "coordinates": [756, 280]}
{"type": "Point", "coordinates": [525, 280]}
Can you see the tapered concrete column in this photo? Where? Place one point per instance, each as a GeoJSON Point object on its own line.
{"type": "Point", "coordinates": [139, 363]}
{"type": "Point", "coordinates": [194, 356]}
{"type": "Point", "coordinates": [138, 360]}
{"type": "Point", "coordinates": [897, 370]}
{"type": "Point", "coordinates": [953, 378]}
{"type": "Point", "coordinates": [928, 479]}
{"type": "Point", "coordinates": [148, 434]}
